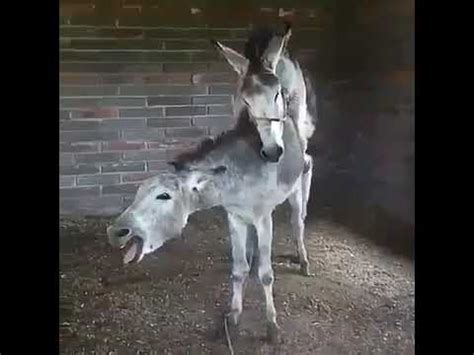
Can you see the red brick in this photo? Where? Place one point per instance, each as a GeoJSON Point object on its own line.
{"type": "Point", "coordinates": [97, 157]}
{"type": "Point", "coordinates": [224, 122]}
{"type": "Point", "coordinates": [64, 114]}
{"type": "Point", "coordinates": [120, 189]}
{"type": "Point", "coordinates": [192, 132]}
{"type": "Point", "coordinates": [220, 110]}
{"type": "Point", "coordinates": [212, 100]}
{"type": "Point", "coordinates": [167, 78]}
{"type": "Point", "coordinates": [79, 125]}
{"type": "Point", "coordinates": [163, 78]}
{"type": "Point", "coordinates": [186, 44]}
{"type": "Point", "coordinates": [144, 155]}
{"type": "Point", "coordinates": [66, 181]}
{"type": "Point", "coordinates": [122, 145]}
{"type": "Point", "coordinates": [122, 167]}
{"type": "Point", "coordinates": [90, 90]}
{"type": "Point", "coordinates": [223, 90]}
{"type": "Point", "coordinates": [185, 111]}
{"type": "Point", "coordinates": [149, 134]}
{"type": "Point", "coordinates": [184, 67]}
{"type": "Point", "coordinates": [85, 147]}
{"type": "Point", "coordinates": [169, 122]}
{"type": "Point", "coordinates": [144, 90]}
{"type": "Point", "coordinates": [66, 159]}
{"type": "Point", "coordinates": [100, 179]}
{"type": "Point", "coordinates": [87, 136]}
{"type": "Point", "coordinates": [79, 79]}
{"type": "Point", "coordinates": [137, 177]}
{"type": "Point", "coordinates": [214, 78]}
{"type": "Point", "coordinates": [96, 112]}
{"type": "Point", "coordinates": [78, 191]}
{"type": "Point", "coordinates": [123, 124]}
{"type": "Point", "coordinates": [85, 9]}
{"type": "Point", "coordinates": [157, 166]}
{"type": "Point", "coordinates": [78, 169]}
{"type": "Point", "coordinates": [168, 101]}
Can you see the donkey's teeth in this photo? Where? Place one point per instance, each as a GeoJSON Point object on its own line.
{"type": "Point", "coordinates": [130, 254]}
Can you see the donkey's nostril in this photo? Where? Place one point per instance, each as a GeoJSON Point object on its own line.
{"type": "Point", "coordinates": [123, 232]}
{"type": "Point", "coordinates": [279, 151]}
{"type": "Point", "coordinates": [273, 155]}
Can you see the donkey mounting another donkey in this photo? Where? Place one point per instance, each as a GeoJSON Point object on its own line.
{"type": "Point", "coordinates": [248, 170]}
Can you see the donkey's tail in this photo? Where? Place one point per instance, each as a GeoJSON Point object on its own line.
{"type": "Point", "coordinates": [251, 249]}
{"type": "Point", "coordinates": [311, 105]}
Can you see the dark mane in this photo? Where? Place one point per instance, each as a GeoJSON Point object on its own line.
{"type": "Point", "coordinates": [244, 129]}
{"type": "Point", "coordinates": [257, 43]}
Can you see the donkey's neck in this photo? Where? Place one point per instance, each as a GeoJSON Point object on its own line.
{"type": "Point", "coordinates": [244, 163]}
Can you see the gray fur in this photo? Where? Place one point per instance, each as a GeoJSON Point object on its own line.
{"type": "Point", "coordinates": [266, 69]}
{"type": "Point", "coordinates": [230, 174]}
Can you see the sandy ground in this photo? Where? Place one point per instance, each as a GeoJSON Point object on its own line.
{"type": "Point", "coordinates": [361, 300]}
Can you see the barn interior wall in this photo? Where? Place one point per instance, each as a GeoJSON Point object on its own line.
{"type": "Point", "coordinates": [139, 82]}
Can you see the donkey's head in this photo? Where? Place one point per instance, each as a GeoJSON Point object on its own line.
{"type": "Point", "coordinates": [260, 91]}
{"type": "Point", "coordinates": [160, 211]}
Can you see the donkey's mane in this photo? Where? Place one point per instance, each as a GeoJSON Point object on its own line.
{"type": "Point", "coordinates": [257, 43]}
{"type": "Point", "coordinates": [244, 129]}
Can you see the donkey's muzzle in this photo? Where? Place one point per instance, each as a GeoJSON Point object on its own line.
{"type": "Point", "coordinates": [272, 155]}
{"type": "Point", "coordinates": [118, 235]}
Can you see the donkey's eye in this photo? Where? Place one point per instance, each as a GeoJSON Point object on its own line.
{"type": "Point", "coordinates": [245, 102]}
{"type": "Point", "coordinates": [163, 196]}
{"type": "Point", "coordinates": [276, 96]}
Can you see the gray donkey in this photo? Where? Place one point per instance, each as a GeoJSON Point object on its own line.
{"type": "Point", "coordinates": [273, 87]}
{"type": "Point", "coordinates": [227, 172]}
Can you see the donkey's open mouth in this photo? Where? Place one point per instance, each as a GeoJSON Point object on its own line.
{"type": "Point", "coordinates": [133, 250]}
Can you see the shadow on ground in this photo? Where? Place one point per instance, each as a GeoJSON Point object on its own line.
{"type": "Point", "coordinates": [347, 201]}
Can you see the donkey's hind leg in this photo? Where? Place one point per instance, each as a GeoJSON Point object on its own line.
{"type": "Point", "coordinates": [296, 200]}
{"type": "Point", "coordinates": [306, 183]}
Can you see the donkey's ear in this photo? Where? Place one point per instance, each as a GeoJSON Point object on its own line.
{"type": "Point", "coordinates": [275, 47]}
{"type": "Point", "coordinates": [238, 62]}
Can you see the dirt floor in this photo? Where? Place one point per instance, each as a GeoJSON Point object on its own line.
{"type": "Point", "coordinates": [361, 300]}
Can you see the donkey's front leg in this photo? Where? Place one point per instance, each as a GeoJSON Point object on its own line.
{"type": "Point", "coordinates": [264, 227]}
{"type": "Point", "coordinates": [240, 266]}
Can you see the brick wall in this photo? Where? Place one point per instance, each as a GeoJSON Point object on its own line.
{"type": "Point", "coordinates": [140, 82]}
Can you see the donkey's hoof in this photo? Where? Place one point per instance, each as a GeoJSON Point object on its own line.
{"type": "Point", "coordinates": [233, 317]}
{"type": "Point", "coordinates": [231, 325]}
{"type": "Point", "coordinates": [304, 268]}
{"type": "Point", "coordinates": [273, 333]}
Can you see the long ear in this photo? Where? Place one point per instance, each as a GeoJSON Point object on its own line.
{"type": "Point", "coordinates": [272, 54]}
{"type": "Point", "coordinates": [238, 62]}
